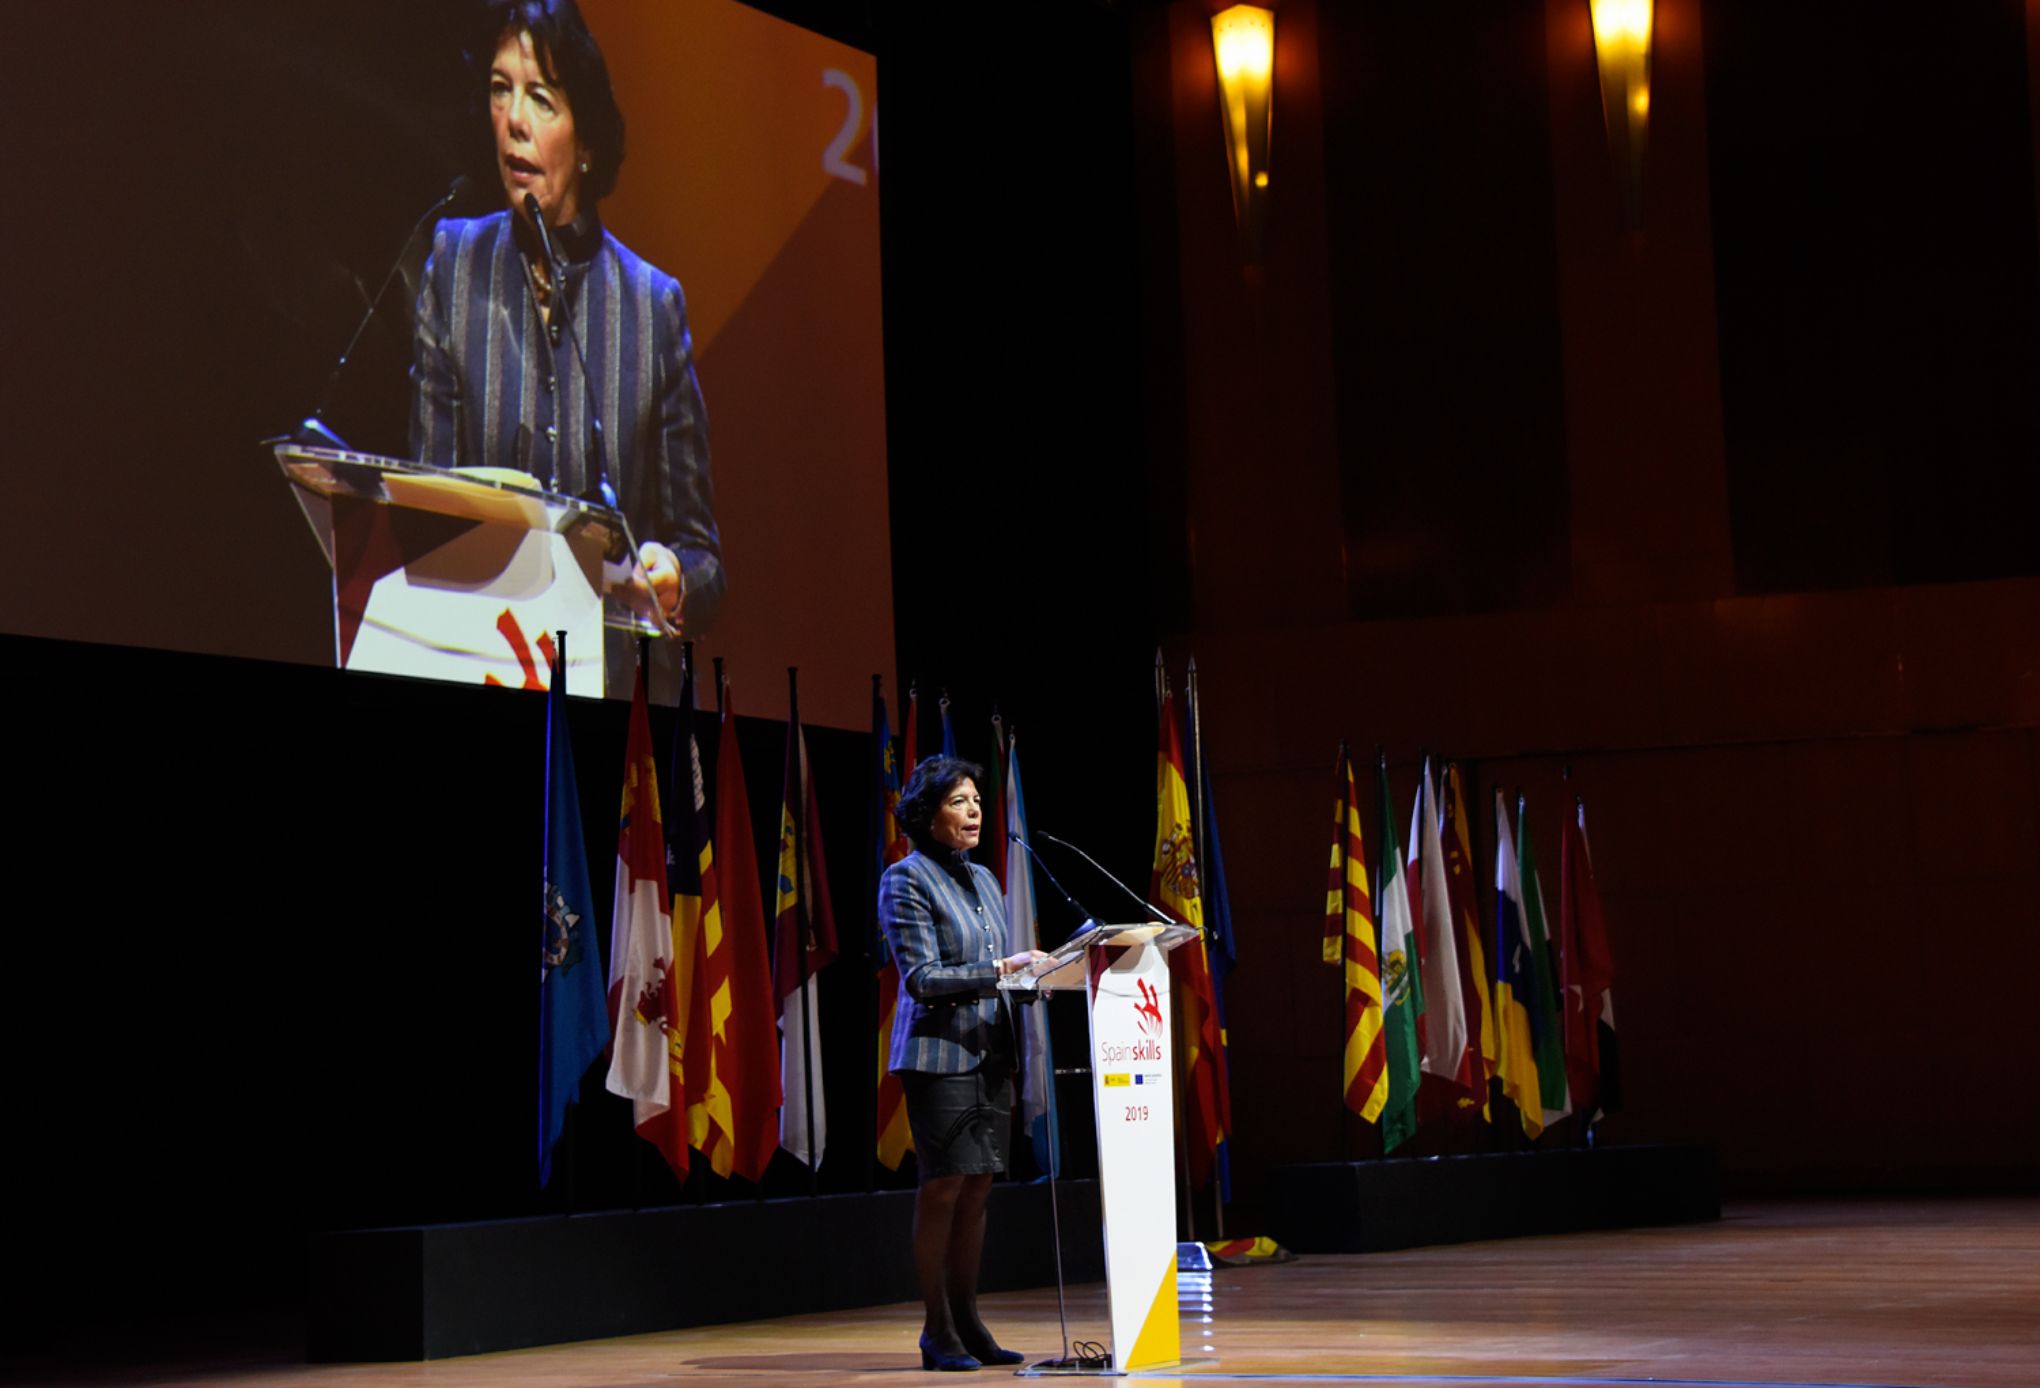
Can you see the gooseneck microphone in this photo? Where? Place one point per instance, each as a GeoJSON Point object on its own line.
{"type": "Point", "coordinates": [599, 490]}
{"type": "Point", "coordinates": [313, 430]}
{"type": "Point", "coordinates": [1145, 905]}
{"type": "Point", "coordinates": [1084, 917]}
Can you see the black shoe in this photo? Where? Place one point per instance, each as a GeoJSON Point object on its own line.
{"type": "Point", "coordinates": [950, 1361]}
{"type": "Point", "coordinates": [988, 1351]}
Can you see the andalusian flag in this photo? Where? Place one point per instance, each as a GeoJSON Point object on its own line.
{"type": "Point", "coordinates": [572, 1029]}
{"type": "Point", "coordinates": [1402, 995]}
{"type": "Point", "coordinates": [739, 983]}
{"type": "Point", "coordinates": [894, 1138]}
{"type": "Point", "coordinates": [1207, 1116]}
{"type": "Point", "coordinates": [1349, 940]}
{"type": "Point", "coordinates": [1547, 1023]}
{"type": "Point", "coordinates": [1444, 1029]}
{"type": "Point", "coordinates": [1515, 982]}
{"type": "Point", "coordinates": [644, 992]}
{"type": "Point", "coordinates": [804, 942]}
{"type": "Point", "coordinates": [1587, 974]}
{"type": "Point", "coordinates": [1473, 961]}
{"type": "Point", "coordinates": [1023, 932]}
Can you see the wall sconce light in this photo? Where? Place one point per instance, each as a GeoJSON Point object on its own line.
{"type": "Point", "coordinates": [1622, 47]}
{"type": "Point", "coordinates": [1243, 42]}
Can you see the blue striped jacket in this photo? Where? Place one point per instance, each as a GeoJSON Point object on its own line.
{"type": "Point", "coordinates": [490, 389]}
{"type": "Point", "coordinates": [946, 923]}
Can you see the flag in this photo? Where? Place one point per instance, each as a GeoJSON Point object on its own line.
{"type": "Point", "coordinates": [572, 1029]}
{"type": "Point", "coordinates": [1444, 1014]}
{"type": "Point", "coordinates": [948, 732]}
{"type": "Point", "coordinates": [804, 942]}
{"type": "Point", "coordinates": [1587, 971]}
{"type": "Point", "coordinates": [1349, 940]}
{"type": "Point", "coordinates": [1221, 947]}
{"type": "Point", "coordinates": [1173, 888]}
{"type": "Point", "coordinates": [744, 1132]}
{"type": "Point", "coordinates": [1547, 1022]}
{"type": "Point", "coordinates": [1023, 932]}
{"type": "Point", "coordinates": [1473, 966]}
{"type": "Point", "coordinates": [644, 994]}
{"type": "Point", "coordinates": [1402, 995]}
{"type": "Point", "coordinates": [994, 790]}
{"type": "Point", "coordinates": [701, 948]}
{"type": "Point", "coordinates": [895, 1140]}
{"type": "Point", "coordinates": [1515, 983]}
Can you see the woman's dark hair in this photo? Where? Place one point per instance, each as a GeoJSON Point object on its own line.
{"type": "Point", "coordinates": [569, 58]}
{"type": "Point", "coordinates": [927, 788]}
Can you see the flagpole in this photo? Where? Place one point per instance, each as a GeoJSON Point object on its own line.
{"type": "Point", "coordinates": [1342, 784]}
{"type": "Point", "coordinates": [1203, 856]}
{"type": "Point", "coordinates": [798, 747]}
{"type": "Point", "coordinates": [874, 867]}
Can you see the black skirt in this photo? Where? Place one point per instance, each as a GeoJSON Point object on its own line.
{"type": "Point", "coordinates": [962, 1124]}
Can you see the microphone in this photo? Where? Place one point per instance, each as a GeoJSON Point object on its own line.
{"type": "Point", "coordinates": [599, 490]}
{"type": "Point", "coordinates": [1084, 917]}
{"type": "Point", "coordinates": [313, 431]}
{"type": "Point", "coordinates": [1144, 903]}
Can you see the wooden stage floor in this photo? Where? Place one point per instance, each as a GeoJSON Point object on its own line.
{"type": "Point", "coordinates": [1920, 1292]}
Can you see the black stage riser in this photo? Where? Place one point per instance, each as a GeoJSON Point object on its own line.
{"type": "Point", "coordinates": [436, 1291]}
{"type": "Point", "coordinates": [1374, 1206]}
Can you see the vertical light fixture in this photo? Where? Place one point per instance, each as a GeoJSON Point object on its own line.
{"type": "Point", "coordinates": [1243, 42]}
{"type": "Point", "coordinates": [1622, 48]}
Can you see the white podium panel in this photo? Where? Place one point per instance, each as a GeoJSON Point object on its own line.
{"type": "Point", "coordinates": [1131, 1069]}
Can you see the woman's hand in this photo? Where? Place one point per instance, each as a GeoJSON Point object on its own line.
{"type": "Point", "coordinates": [1014, 963]}
{"type": "Point", "coordinates": [657, 586]}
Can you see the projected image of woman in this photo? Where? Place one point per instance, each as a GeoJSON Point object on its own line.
{"type": "Point", "coordinates": [495, 378]}
{"type": "Point", "coordinates": [953, 1047]}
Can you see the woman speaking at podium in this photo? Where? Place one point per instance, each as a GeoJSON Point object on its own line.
{"type": "Point", "coordinates": [952, 1047]}
{"type": "Point", "coordinates": [497, 379]}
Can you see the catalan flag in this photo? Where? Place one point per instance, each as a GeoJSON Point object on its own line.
{"type": "Point", "coordinates": [644, 992]}
{"type": "Point", "coordinates": [1350, 940]}
{"type": "Point", "coordinates": [1173, 888]}
{"type": "Point", "coordinates": [1515, 982]}
{"type": "Point", "coordinates": [1402, 991]}
{"type": "Point", "coordinates": [739, 983]}
{"type": "Point", "coordinates": [895, 1140]}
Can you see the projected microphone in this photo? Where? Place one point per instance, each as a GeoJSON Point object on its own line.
{"type": "Point", "coordinates": [599, 490]}
{"type": "Point", "coordinates": [1144, 904]}
{"type": "Point", "coordinates": [313, 431]}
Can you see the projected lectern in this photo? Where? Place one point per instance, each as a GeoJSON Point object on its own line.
{"type": "Point", "coordinates": [461, 574]}
{"type": "Point", "coordinates": [1125, 972]}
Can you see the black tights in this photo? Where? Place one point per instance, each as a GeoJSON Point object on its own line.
{"type": "Point", "coordinates": [949, 1241]}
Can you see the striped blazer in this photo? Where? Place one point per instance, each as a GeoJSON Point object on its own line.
{"type": "Point", "coordinates": [946, 924]}
{"type": "Point", "coordinates": [492, 386]}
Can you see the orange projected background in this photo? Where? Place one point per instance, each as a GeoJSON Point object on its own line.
{"type": "Point", "coordinates": [751, 175]}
